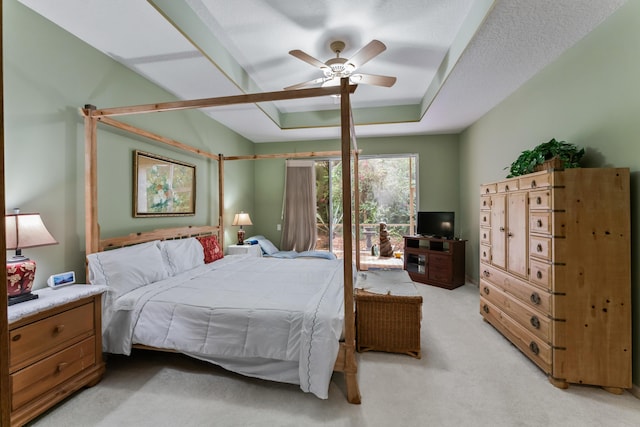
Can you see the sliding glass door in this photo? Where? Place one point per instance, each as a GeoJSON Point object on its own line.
{"type": "Point", "coordinates": [387, 193]}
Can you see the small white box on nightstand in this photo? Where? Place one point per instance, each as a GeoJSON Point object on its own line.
{"type": "Point", "coordinates": [253, 250]}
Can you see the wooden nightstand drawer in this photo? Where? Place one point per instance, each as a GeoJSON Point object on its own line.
{"type": "Point", "coordinates": [45, 336]}
{"type": "Point", "coordinates": [40, 377]}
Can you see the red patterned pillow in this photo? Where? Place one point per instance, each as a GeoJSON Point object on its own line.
{"type": "Point", "coordinates": [212, 249]}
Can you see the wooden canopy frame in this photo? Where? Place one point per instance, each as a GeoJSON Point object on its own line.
{"type": "Point", "coordinates": [346, 360]}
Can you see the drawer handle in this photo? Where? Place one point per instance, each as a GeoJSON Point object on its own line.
{"type": "Point", "coordinates": [58, 329]}
{"type": "Point", "coordinates": [538, 200]}
{"type": "Point", "coordinates": [485, 308]}
{"type": "Point", "coordinates": [510, 234]}
{"type": "Point", "coordinates": [486, 290]}
{"type": "Point", "coordinates": [539, 223]}
{"type": "Point", "coordinates": [502, 229]}
{"type": "Point", "coordinates": [533, 184]}
{"type": "Point", "coordinates": [539, 274]}
{"type": "Point", "coordinates": [539, 247]}
{"type": "Point", "coordinates": [535, 298]}
{"type": "Point", "coordinates": [486, 273]}
{"type": "Point", "coordinates": [534, 348]}
{"type": "Point", "coordinates": [61, 366]}
{"type": "Point", "coordinates": [535, 322]}
{"type": "Point", "coordinates": [484, 236]}
{"type": "Point", "coordinates": [484, 219]}
{"type": "Point", "coordinates": [16, 337]}
{"type": "Point", "coordinates": [486, 191]}
{"type": "Point", "coordinates": [506, 187]}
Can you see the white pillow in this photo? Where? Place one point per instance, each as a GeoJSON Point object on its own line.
{"type": "Point", "coordinates": [126, 269]}
{"type": "Point", "coordinates": [265, 244]}
{"type": "Point", "coordinates": [182, 255]}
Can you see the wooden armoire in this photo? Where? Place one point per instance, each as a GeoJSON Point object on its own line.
{"type": "Point", "coordinates": [555, 277]}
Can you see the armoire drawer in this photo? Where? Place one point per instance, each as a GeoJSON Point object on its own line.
{"type": "Point", "coordinates": [504, 186]}
{"type": "Point", "coordinates": [485, 236]}
{"type": "Point", "coordinates": [529, 295]}
{"type": "Point", "coordinates": [485, 203]}
{"type": "Point", "coordinates": [485, 253]}
{"type": "Point", "coordinates": [540, 247]}
{"type": "Point", "coordinates": [44, 337]}
{"type": "Point", "coordinates": [541, 274]}
{"type": "Point", "coordinates": [488, 188]}
{"type": "Point", "coordinates": [533, 347]}
{"type": "Point", "coordinates": [540, 200]}
{"type": "Point", "coordinates": [540, 222]}
{"type": "Point", "coordinates": [485, 219]}
{"type": "Point", "coordinates": [533, 181]}
{"type": "Point", "coordinates": [532, 320]}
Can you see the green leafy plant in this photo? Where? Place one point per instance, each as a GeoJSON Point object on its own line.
{"type": "Point", "coordinates": [569, 154]}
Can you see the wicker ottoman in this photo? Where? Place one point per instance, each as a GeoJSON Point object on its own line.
{"type": "Point", "coordinates": [388, 313]}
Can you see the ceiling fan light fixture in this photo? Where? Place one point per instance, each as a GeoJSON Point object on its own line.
{"type": "Point", "coordinates": [336, 68]}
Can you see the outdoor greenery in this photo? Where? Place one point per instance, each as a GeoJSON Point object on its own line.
{"type": "Point", "coordinates": [384, 186]}
{"type": "Point", "coordinates": [526, 163]}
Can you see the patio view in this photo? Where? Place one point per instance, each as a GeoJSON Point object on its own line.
{"type": "Point", "coordinates": [386, 194]}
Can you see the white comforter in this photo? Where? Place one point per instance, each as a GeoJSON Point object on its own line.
{"type": "Point", "coordinates": [257, 316]}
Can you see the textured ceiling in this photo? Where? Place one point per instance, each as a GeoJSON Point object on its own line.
{"type": "Point", "coordinates": [454, 59]}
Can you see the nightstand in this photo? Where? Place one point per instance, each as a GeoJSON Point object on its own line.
{"type": "Point", "coordinates": [55, 348]}
{"type": "Point", "coordinates": [253, 250]}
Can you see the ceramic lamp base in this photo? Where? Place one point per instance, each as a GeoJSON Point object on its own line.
{"type": "Point", "coordinates": [241, 237]}
{"type": "Point", "coordinates": [20, 275]}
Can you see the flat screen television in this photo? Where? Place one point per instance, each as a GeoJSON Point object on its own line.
{"type": "Point", "coordinates": [436, 224]}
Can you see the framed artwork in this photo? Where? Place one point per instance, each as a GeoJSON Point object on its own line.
{"type": "Point", "coordinates": [162, 186]}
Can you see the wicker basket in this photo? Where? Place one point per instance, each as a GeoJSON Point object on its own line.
{"type": "Point", "coordinates": [554, 163]}
{"type": "Point", "coordinates": [388, 323]}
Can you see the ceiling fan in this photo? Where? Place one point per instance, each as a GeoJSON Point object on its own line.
{"type": "Point", "coordinates": [336, 68]}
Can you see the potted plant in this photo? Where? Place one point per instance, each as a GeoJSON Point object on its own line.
{"type": "Point", "coordinates": [555, 154]}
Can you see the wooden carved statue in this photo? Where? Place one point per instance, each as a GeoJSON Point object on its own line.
{"type": "Point", "coordinates": [385, 244]}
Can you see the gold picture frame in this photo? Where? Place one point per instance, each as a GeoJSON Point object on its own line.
{"type": "Point", "coordinates": [162, 186]}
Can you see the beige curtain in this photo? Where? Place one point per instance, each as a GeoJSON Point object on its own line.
{"type": "Point", "coordinates": [299, 225]}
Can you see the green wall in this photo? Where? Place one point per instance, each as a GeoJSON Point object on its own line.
{"type": "Point", "coordinates": [590, 96]}
{"type": "Point", "coordinates": [437, 168]}
{"type": "Point", "coordinates": [48, 75]}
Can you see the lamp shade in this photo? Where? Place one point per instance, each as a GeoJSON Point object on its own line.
{"type": "Point", "coordinates": [23, 231]}
{"type": "Point", "coordinates": [242, 219]}
{"type": "Point", "coordinates": [26, 231]}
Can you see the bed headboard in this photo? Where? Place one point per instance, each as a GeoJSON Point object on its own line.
{"type": "Point", "coordinates": [160, 234]}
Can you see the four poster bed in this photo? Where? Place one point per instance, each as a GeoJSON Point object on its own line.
{"type": "Point", "coordinates": [289, 320]}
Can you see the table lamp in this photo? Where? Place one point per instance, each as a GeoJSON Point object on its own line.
{"type": "Point", "coordinates": [241, 219]}
{"type": "Point", "coordinates": [23, 231]}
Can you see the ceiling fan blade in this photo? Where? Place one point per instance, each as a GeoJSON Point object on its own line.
{"type": "Point", "coordinates": [364, 55]}
{"type": "Point", "coordinates": [308, 58]}
{"type": "Point", "coordinates": [306, 84]}
{"type": "Point", "coordinates": [372, 79]}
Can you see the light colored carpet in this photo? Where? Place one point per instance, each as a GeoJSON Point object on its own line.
{"type": "Point", "coordinates": [469, 375]}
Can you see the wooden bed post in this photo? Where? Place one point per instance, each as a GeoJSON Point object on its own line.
{"type": "Point", "coordinates": [356, 205]}
{"type": "Point", "coordinates": [5, 384]}
{"type": "Point", "coordinates": [221, 198]}
{"type": "Point", "coordinates": [91, 180]}
{"type": "Point", "coordinates": [351, 365]}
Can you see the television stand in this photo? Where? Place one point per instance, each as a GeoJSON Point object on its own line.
{"type": "Point", "coordinates": [435, 261]}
